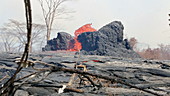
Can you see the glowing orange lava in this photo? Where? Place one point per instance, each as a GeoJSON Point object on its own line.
{"type": "Point", "coordinates": [85, 28]}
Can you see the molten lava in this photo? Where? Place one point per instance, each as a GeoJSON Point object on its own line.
{"type": "Point", "coordinates": [85, 28]}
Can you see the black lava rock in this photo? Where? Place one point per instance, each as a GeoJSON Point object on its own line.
{"type": "Point", "coordinates": [107, 41]}
{"type": "Point", "coordinates": [62, 42]}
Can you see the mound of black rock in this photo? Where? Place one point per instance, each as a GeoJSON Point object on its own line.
{"type": "Point", "coordinates": [107, 41]}
{"type": "Point", "coordinates": [64, 41]}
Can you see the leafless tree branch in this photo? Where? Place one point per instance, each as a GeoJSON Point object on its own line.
{"type": "Point", "coordinates": [8, 88]}
{"type": "Point", "coordinates": [50, 10]}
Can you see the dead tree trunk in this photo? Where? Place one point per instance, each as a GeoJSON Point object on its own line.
{"type": "Point", "coordinates": [8, 89]}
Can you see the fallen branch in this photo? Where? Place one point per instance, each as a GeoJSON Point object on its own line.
{"type": "Point", "coordinates": [26, 76]}
{"type": "Point", "coordinates": [56, 69]}
{"type": "Point", "coordinates": [4, 78]}
{"type": "Point", "coordinates": [45, 85]}
{"type": "Point", "coordinates": [53, 68]}
{"type": "Point", "coordinates": [71, 79]}
{"type": "Point", "coordinates": [73, 90]}
{"type": "Point", "coordinates": [91, 81]}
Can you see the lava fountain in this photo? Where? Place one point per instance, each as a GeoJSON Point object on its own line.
{"type": "Point", "coordinates": [83, 29]}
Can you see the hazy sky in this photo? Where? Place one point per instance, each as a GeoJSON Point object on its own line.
{"type": "Point", "coordinates": [147, 20]}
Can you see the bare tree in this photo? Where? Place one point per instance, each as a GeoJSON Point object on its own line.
{"type": "Point", "coordinates": [17, 31]}
{"type": "Point", "coordinates": [8, 88]}
{"type": "Point", "coordinates": [133, 41]}
{"type": "Point", "coordinates": [8, 42]}
{"type": "Point", "coordinates": [38, 36]}
{"type": "Point", "coordinates": [51, 9]}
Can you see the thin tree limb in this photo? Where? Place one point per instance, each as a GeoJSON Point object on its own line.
{"type": "Point", "coordinates": [8, 88]}
{"type": "Point", "coordinates": [56, 69]}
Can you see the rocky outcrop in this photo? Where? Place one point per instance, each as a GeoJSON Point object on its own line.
{"type": "Point", "coordinates": [64, 41]}
{"type": "Point", "coordinates": [107, 41]}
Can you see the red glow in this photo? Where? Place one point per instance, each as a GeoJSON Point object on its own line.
{"type": "Point", "coordinates": [85, 28]}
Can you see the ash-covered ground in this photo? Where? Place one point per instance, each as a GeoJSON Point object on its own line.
{"type": "Point", "coordinates": [150, 75]}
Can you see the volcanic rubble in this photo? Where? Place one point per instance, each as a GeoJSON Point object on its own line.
{"type": "Point", "coordinates": [149, 75]}
{"type": "Point", "coordinates": [107, 41]}
{"type": "Point", "coordinates": [64, 41]}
